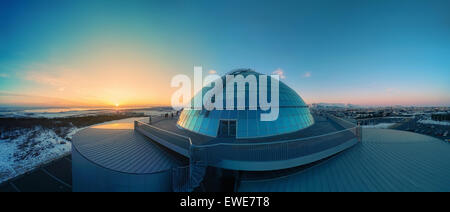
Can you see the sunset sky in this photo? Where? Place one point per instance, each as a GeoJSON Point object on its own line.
{"type": "Point", "coordinates": [103, 53]}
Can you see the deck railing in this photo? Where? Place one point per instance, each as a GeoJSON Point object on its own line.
{"type": "Point", "coordinates": [176, 142]}
{"type": "Point", "coordinates": [342, 122]}
{"type": "Point", "coordinates": [261, 151]}
{"type": "Point", "coordinates": [214, 154]}
{"type": "Point", "coordinates": [270, 151]}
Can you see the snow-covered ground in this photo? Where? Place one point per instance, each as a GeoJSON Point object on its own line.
{"type": "Point", "coordinates": [429, 121]}
{"type": "Point", "coordinates": [25, 149]}
{"type": "Point", "coordinates": [380, 125]}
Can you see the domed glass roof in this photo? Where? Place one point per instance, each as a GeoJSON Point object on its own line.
{"type": "Point", "coordinates": [293, 115]}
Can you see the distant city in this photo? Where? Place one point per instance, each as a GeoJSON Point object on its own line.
{"type": "Point", "coordinates": [432, 121]}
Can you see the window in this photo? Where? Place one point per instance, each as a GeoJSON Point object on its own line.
{"type": "Point", "coordinates": [227, 129]}
{"type": "Point", "coordinates": [223, 128]}
{"type": "Point", "coordinates": [232, 128]}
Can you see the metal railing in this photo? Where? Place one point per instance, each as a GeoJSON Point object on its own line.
{"type": "Point", "coordinates": [181, 180]}
{"type": "Point", "coordinates": [342, 122]}
{"type": "Point", "coordinates": [174, 138]}
{"type": "Point", "coordinates": [270, 151]}
{"type": "Point", "coordinates": [347, 124]}
{"type": "Point", "coordinates": [261, 151]}
{"type": "Point", "coordinates": [213, 154]}
{"type": "Point", "coordinates": [187, 178]}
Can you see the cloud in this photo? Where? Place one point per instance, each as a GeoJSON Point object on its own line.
{"type": "Point", "coordinates": [3, 75]}
{"type": "Point", "coordinates": [8, 98]}
{"type": "Point", "coordinates": [45, 79]}
{"type": "Point", "coordinates": [307, 74]}
{"type": "Point", "coordinates": [279, 72]}
{"type": "Point", "coordinates": [212, 72]}
{"type": "Point", "coordinates": [47, 74]}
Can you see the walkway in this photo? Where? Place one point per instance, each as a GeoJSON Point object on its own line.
{"type": "Point", "coordinates": [54, 177]}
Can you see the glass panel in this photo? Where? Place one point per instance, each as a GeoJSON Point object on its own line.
{"type": "Point", "coordinates": [223, 129]}
{"type": "Point", "coordinates": [194, 120]}
{"type": "Point", "coordinates": [213, 127]}
{"type": "Point", "coordinates": [251, 126]}
{"type": "Point", "coordinates": [224, 114]}
{"type": "Point", "coordinates": [233, 114]}
{"type": "Point", "coordinates": [215, 114]}
{"type": "Point", "coordinates": [205, 123]}
{"type": "Point", "coordinates": [262, 128]}
{"type": "Point", "coordinates": [242, 124]}
{"type": "Point", "coordinates": [232, 129]}
{"type": "Point", "coordinates": [199, 121]}
{"type": "Point", "coordinates": [181, 119]}
{"type": "Point", "coordinates": [188, 119]}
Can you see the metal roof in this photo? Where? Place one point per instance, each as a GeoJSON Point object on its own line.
{"type": "Point", "coordinates": [386, 160]}
{"type": "Point", "coordinates": [116, 146]}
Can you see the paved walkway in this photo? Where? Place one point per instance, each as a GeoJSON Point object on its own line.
{"type": "Point", "coordinates": [54, 177]}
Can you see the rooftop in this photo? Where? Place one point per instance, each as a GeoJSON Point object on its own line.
{"type": "Point", "coordinates": [115, 145]}
{"type": "Point", "coordinates": [386, 160]}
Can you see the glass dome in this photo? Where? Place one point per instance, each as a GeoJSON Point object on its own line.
{"type": "Point", "coordinates": [293, 115]}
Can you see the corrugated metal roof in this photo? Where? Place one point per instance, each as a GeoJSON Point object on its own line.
{"type": "Point", "coordinates": [124, 150]}
{"type": "Point", "coordinates": [386, 160]}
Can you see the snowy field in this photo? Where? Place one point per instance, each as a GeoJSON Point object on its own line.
{"type": "Point", "coordinates": [380, 125]}
{"type": "Point", "coordinates": [429, 121]}
{"type": "Point", "coordinates": [27, 148]}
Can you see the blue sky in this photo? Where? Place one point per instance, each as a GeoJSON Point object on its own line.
{"type": "Point", "coordinates": [362, 52]}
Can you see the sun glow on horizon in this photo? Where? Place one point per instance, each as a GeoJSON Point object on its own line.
{"type": "Point", "coordinates": [116, 62]}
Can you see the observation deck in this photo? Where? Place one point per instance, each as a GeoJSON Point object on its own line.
{"type": "Point", "coordinates": [328, 136]}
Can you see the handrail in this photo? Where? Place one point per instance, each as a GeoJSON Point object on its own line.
{"type": "Point", "coordinates": [275, 142]}
{"type": "Point", "coordinates": [244, 144]}
{"type": "Point", "coordinates": [393, 117]}
{"type": "Point", "coordinates": [340, 119]}
{"type": "Point", "coordinates": [349, 122]}
{"type": "Point", "coordinates": [172, 133]}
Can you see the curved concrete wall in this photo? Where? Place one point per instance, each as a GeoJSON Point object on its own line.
{"type": "Point", "coordinates": [90, 177]}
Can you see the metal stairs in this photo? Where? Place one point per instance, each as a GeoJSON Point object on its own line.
{"type": "Point", "coordinates": [186, 179]}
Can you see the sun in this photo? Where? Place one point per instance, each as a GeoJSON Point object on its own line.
{"type": "Point", "coordinates": [117, 104]}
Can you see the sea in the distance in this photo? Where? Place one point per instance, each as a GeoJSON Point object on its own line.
{"type": "Point", "coordinates": [59, 112]}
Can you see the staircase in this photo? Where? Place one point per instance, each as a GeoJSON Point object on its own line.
{"type": "Point", "coordinates": [186, 179]}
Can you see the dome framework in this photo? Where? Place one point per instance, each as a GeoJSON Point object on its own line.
{"type": "Point", "coordinates": [293, 113]}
